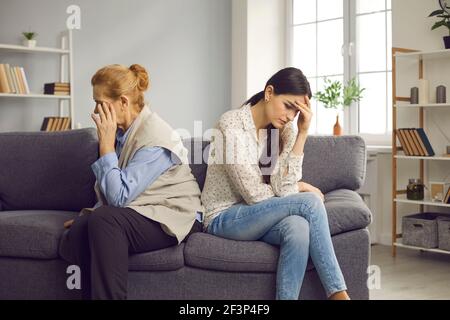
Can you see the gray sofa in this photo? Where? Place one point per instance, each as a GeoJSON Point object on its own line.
{"type": "Point", "coordinates": [45, 179]}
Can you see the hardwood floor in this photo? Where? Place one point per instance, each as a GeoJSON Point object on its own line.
{"type": "Point", "coordinates": [411, 275]}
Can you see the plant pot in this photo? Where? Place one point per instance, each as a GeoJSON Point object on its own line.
{"type": "Point", "coordinates": [447, 42]}
{"type": "Point", "coordinates": [337, 129]}
{"type": "Point", "coordinates": [29, 43]}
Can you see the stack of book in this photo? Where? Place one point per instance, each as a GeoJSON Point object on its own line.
{"type": "Point", "coordinates": [57, 88]}
{"type": "Point", "coordinates": [55, 124]}
{"type": "Point", "coordinates": [414, 142]}
{"type": "Point", "coordinates": [13, 80]}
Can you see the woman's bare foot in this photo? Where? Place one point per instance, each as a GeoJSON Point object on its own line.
{"type": "Point", "coordinates": [341, 295]}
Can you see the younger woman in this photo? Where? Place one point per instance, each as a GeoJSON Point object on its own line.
{"type": "Point", "coordinates": [253, 190]}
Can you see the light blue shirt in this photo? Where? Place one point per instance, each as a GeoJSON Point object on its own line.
{"type": "Point", "coordinates": [122, 186]}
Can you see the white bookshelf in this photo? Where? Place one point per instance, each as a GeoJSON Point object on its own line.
{"type": "Point", "coordinates": [65, 53]}
{"type": "Point", "coordinates": [402, 104]}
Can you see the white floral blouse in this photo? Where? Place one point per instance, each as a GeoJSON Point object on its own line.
{"type": "Point", "coordinates": [233, 174]}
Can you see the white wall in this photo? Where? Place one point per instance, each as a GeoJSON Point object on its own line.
{"type": "Point", "coordinates": [258, 39]}
{"type": "Point", "coordinates": [185, 45]}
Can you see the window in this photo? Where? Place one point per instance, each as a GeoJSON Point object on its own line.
{"type": "Point", "coordinates": [342, 39]}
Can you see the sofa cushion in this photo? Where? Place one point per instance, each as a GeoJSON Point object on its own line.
{"type": "Point", "coordinates": [343, 167]}
{"type": "Point", "coordinates": [47, 170]}
{"type": "Point", "coordinates": [207, 251]}
{"type": "Point", "coordinates": [33, 233]}
{"type": "Point", "coordinates": [346, 211]}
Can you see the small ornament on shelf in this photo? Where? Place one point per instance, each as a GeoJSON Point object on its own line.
{"type": "Point", "coordinates": [441, 94]}
{"type": "Point", "coordinates": [29, 40]}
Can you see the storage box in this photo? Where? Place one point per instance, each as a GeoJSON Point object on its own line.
{"type": "Point", "coordinates": [420, 230]}
{"type": "Point", "coordinates": [444, 232]}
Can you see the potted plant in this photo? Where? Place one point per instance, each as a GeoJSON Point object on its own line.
{"type": "Point", "coordinates": [29, 40]}
{"type": "Point", "coordinates": [444, 15]}
{"type": "Point", "coordinates": [335, 95]}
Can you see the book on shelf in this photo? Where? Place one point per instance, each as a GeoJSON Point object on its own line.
{"type": "Point", "coordinates": [57, 88]}
{"type": "Point", "coordinates": [55, 124]}
{"type": "Point", "coordinates": [13, 80]}
{"type": "Point", "coordinates": [414, 142]}
{"type": "Point", "coordinates": [447, 196]}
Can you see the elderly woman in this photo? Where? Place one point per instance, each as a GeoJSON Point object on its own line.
{"type": "Point", "coordinates": [148, 198]}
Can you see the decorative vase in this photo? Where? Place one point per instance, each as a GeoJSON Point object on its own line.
{"type": "Point", "coordinates": [29, 43]}
{"type": "Point", "coordinates": [447, 42]}
{"type": "Point", "coordinates": [337, 129]}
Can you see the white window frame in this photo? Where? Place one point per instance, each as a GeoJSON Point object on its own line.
{"type": "Point", "coordinates": [351, 115]}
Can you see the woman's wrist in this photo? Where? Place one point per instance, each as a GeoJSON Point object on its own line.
{"type": "Point", "coordinates": [105, 149]}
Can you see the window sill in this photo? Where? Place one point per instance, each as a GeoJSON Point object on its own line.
{"type": "Point", "coordinates": [376, 149]}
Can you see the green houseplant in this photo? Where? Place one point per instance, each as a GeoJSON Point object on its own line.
{"type": "Point", "coordinates": [336, 95]}
{"type": "Point", "coordinates": [444, 21]}
{"type": "Point", "coordinates": [29, 40]}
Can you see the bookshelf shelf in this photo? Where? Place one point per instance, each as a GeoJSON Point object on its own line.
{"type": "Point", "coordinates": [431, 105]}
{"type": "Point", "coordinates": [435, 54]}
{"type": "Point", "coordinates": [66, 74]}
{"type": "Point", "coordinates": [35, 49]}
{"type": "Point", "coordinates": [33, 95]}
{"type": "Point", "coordinates": [400, 244]}
{"type": "Point", "coordinates": [421, 158]}
{"type": "Point", "coordinates": [413, 140]}
{"type": "Point", "coordinates": [427, 202]}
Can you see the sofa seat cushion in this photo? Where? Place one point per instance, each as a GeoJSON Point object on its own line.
{"type": "Point", "coordinates": [32, 233]}
{"type": "Point", "coordinates": [167, 259]}
{"type": "Point", "coordinates": [346, 211]}
{"type": "Point", "coordinates": [210, 252]}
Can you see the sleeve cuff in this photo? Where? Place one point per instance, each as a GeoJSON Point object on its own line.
{"type": "Point", "coordinates": [295, 160]}
{"type": "Point", "coordinates": [104, 164]}
{"type": "Point", "coordinates": [295, 163]}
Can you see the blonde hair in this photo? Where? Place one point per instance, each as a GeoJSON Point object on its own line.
{"type": "Point", "coordinates": [119, 80]}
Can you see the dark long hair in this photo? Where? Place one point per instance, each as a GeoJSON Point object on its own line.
{"type": "Point", "coordinates": [290, 81]}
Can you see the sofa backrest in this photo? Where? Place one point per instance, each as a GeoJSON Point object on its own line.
{"type": "Point", "coordinates": [52, 170]}
{"type": "Point", "coordinates": [330, 163]}
{"type": "Point", "coordinates": [47, 170]}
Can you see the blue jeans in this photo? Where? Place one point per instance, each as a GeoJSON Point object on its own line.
{"type": "Point", "coordinates": [299, 225]}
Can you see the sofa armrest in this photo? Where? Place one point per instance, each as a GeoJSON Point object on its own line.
{"type": "Point", "coordinates": [332, 163]}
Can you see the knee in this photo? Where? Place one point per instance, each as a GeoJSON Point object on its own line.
{"type": "Point", "coordinates": [295, 230]}
{"type": "Point", "coordinates": [309, 200]}
{"type": "Point", "coordinates": [100, 217]}
{"type": "Point", "coordinates": [79, 228]}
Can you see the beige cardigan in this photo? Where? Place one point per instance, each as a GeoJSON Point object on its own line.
{"type": "Point", "coordinates": [174, 198]}
{"type": "Point", "coordinates": [233, 174]}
